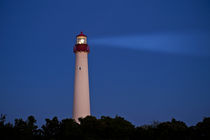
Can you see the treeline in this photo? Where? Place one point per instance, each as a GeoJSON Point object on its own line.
{"type": "Point", "coordinates": [105, 128]}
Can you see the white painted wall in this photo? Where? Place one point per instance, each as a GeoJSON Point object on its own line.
{"type": "Point", "coordinates": [81, 106]}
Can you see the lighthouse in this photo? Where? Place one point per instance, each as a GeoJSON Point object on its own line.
{"type": "Point", "coordinates": [81, 104]}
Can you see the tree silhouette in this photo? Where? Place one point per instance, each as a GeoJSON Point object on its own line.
{"type": "Point", "coordinates": [69, 129]}
{"type": "Point", "coordinates": [203, 129]}
{"type": "Point", "coordinates": [51, 129]}
{"type": "Point", "coordinates": [105, 128]}
{"type": "Point", "coordinates": [171, 130]}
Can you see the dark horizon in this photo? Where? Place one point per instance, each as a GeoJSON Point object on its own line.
{"type": "Point", "coordinates": [104, 128]}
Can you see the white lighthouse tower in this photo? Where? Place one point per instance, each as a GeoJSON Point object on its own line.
{"type": "Point", "coordinates": [81, 106]}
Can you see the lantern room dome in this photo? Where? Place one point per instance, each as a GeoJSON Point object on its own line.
{"type": "Point", "coordinates": [81, 34]}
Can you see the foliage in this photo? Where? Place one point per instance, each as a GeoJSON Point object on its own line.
{"type": "Point", "coordinates": [105, 128]}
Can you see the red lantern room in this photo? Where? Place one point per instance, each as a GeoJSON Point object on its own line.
{"type": "Point", "coordinates": [81, 44]}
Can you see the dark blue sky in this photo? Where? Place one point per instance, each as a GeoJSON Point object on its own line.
{"type": "Point", "coordinates": [149, 59]}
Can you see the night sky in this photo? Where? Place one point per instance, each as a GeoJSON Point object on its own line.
{"type": "Point", "coordinates": [149, 59]}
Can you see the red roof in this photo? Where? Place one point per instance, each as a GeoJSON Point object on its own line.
{"type": "Point", "coordinates": [81, 34]}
